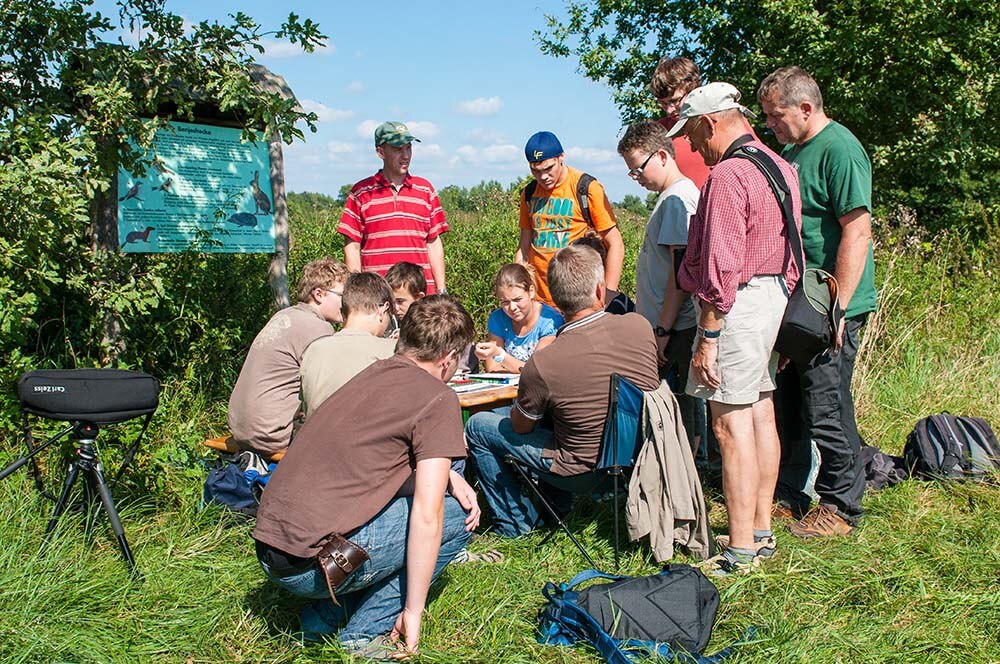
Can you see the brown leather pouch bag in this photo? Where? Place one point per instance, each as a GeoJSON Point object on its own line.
{"type": "Point", "coordinates": [337, 558]}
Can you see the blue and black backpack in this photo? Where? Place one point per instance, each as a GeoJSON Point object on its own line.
{"type": "Point", "coordinates": [236, 482]}
{"type": "Point", "coordinates": [669, 615]}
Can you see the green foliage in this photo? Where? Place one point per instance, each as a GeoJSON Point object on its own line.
{"type": "Point", "coordinates": [72, 110]}
{"type": "Point", "coordinates": [916, 582]}
{"type": "Point", "coordinates": [917, 82]}
{"type": "Point", "coordinates": [344, 192]}
{"type": "Point", "coordinates": [634, 204]}
{"type": "Point", "coordinates": [480, 198]}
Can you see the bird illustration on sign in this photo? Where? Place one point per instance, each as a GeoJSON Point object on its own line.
{"type": "Point", "coordinates": [260, 200]}
{"type": "Point", "coordinates": [133, 192]}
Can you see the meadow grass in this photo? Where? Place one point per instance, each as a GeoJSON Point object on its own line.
{"type": "Point", "coordinates": [918, 582]}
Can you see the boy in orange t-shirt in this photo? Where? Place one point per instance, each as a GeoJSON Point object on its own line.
{"type": "Point", "coordinates": [552, 218]}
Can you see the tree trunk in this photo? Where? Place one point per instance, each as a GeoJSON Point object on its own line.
{"type": "Point", "coordinates": [104, 242]}
{"type": "Point", "coordinates": [278, 272]}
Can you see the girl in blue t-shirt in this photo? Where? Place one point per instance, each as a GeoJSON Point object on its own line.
{"type": "Point", "coordinates": [521, 325]}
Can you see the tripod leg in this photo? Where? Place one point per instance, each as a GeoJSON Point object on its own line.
{"type": "Point", "coordinates": [116, 522]}
{"type": "Point", "coordinates": [74, 470]}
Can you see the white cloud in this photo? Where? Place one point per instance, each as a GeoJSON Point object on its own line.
{"type": "Point", "coordinates": [432, 150]}
{"type": "Point", "coordinates": [281, 48]}
{"type": "Point", "coordinates": [356, 87]}
{"type": "Point", "coordinates": [422, 129]}
{"type": "Point", "coordinates": [340, 147]}
{"type": "Point", "coordinates": [503, 154]}
{"type": "Point", "coordinates": [324, 112]}
{"type": "Point", "coordinates": [480, 135]}
{"type": "Point", "coordinates": [480, 106]}
{"type": "Point", "coordinates": [591, 155]}
{"type": "Point", "coordinates": [367, 129]}
{"type": "Point", "coordinates": [497, 153]}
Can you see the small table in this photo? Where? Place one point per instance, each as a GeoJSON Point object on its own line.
{"type": "Point", "coordinates": [473, 402]}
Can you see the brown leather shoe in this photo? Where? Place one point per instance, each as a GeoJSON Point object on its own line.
{"type": "Point", "coordinates": [821, 521]}
{"type": "Point", "coordinates": [782, 511]}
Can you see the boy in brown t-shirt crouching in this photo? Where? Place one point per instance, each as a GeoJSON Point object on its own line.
{"type": "Point", "coordinates": [377, 477]}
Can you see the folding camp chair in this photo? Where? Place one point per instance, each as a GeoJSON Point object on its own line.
{"type": "Point", "coordinates": [620, 445]}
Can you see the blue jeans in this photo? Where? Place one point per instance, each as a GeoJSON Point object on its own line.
{"type": "Point", "coordinates": [491, 440]}
{"type": "Point", "coordinates": [373, 595]}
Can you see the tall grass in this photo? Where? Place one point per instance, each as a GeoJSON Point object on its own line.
{"type": "Point", "coordinates": [918, 582]}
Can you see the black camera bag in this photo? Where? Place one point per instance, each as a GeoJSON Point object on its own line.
{"type": "Point", "coordinates": [99, 396]}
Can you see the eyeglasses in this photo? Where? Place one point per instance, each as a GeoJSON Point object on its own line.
{"type": "Point", "coordinates": [333, 292]}
{"type": "Point", "coordinates": [670, 102]}
{"type": "Point", "coordinates": [636, 172]}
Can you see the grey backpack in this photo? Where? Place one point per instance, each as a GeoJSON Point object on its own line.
{"type": "Point", "coordinates": [952, 447]}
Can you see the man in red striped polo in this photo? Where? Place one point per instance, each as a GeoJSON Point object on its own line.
{"type": "Point", "coordinates": [393, 216]}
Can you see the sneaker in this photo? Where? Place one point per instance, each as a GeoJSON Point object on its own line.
{"type": "Point", "coordinates": [379, 649]}
{"type": "Point", "coordinates": [721, 565]}
{"type": "Point", "coordinates": [821, 521]}
{"type": "Point", "coordinates": [466, 556]}
{"type": "Point", "coordinates": [780, 510]}
{"type": "Point", "coordinates": [765, 548]}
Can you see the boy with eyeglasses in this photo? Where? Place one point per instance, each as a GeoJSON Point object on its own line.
{"type": "Point", "coordinates": [265, 399]}
{"type": "Point", "coordinates": [672, 79]}
{"type": "Point", "coordinates": [649, 154]}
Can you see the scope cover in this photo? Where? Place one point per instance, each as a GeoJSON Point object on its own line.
{"type": "Point", "coordinates": [100, 396]}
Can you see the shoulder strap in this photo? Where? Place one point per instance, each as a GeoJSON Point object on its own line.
{"type": "Point", "coordinates": [590, 574]}
{"type": "Point", "coordinates": [529, 191]}
{"type": "Point", "coordinates": [582, 187]}
{"type": "Point", "coordinates": [781, 191]}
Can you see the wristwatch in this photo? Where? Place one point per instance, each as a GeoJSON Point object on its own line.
{"type": "Point", "coordinates": [661, 331]}
{"type": "Point", "coordinates": [500, 357]}
{"type": "Point", "coordinates": [709, 334]}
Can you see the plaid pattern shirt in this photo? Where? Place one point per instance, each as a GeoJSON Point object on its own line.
{"type": "Point", "coordinates": [738, 232]}
{"type": "Point", "coordinates": [393, 226]}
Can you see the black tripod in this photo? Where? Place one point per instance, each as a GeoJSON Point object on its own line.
{"type": "Point", "coordinates": [86, 398]}
{"type": "Point", "coordinates": [85, 435]}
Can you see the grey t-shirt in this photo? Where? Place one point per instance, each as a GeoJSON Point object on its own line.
{"type": "Point", "coordinates": [266, 395]}
{"type": "Point", "coordinates": [667, 226]}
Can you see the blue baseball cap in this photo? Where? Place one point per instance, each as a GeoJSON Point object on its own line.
{"type": "Point", "coordinates": [541, 146]}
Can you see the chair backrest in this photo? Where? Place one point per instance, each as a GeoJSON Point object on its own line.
{"type": "Point", "coordinates": [622, 431]}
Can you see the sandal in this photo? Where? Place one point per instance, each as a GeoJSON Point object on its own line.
{"type": "Point", "coordinates": [466, 556]}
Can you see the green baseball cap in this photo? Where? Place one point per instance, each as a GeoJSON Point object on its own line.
{"type": "Point", "coordinates": [394, 133]}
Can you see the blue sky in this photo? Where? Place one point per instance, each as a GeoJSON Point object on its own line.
{"type": "Point", "coordinates": [468, 78]}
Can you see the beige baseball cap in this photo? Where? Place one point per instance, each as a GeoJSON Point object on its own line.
{"type": "Point", "coordinates": [710, 98]}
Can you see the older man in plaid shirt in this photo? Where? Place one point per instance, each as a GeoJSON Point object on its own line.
{"type": "Point", "coordinates": [740, 268]}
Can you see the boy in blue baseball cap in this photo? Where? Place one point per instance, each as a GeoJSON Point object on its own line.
{"type": "Point", "coordinates": [559, 206]}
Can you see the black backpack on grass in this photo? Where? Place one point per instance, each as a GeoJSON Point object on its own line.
{"type": "Point", "coordinates": [667, 616]}
{"type": "Point", "coordinates": [952, 447]}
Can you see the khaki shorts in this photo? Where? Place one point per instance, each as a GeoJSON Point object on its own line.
{"type": "Point", "coordinates": [747, 363]}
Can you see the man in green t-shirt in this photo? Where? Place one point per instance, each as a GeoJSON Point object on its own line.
{"type": "Point", "coordinates": [835, 183]}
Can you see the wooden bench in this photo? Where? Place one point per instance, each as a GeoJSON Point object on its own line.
{"type": "Point", "coordinates": [226, 444]}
